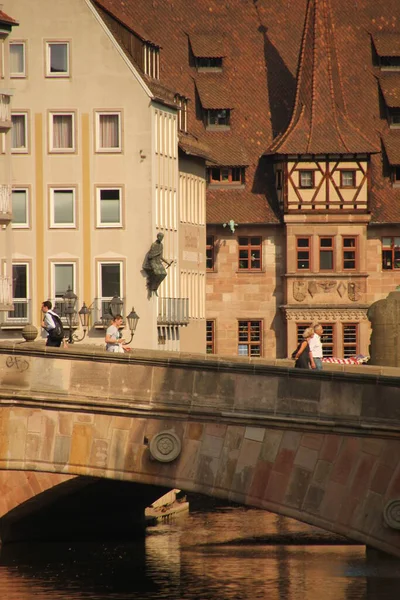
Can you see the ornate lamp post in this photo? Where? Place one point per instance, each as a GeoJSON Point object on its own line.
{"type": "Point", "coordinates": [84, 315]}
{"type": "Point", "coordinates": [70, 301]}
{"type": "Point", "coordinates": [133, 319]}
{"type": "Point", "coordinates": [116, 306]}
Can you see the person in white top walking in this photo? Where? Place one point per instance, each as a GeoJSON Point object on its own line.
{"type": "Point", "coordinates": [315, 344]}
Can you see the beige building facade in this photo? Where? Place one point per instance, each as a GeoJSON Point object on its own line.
{"type": "Point", "coordinates": [95, 176]}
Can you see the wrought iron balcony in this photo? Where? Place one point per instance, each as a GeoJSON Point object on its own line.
{"type": "Point", "coordinates": [5, 110]}
{"type": "Point", "coordinates": [20, 316]}
{"type": "Point", "coordinates": [173, 311]}
{"type": "Point", "coordinates": [5, 202]}
{"type": "Point", "coordinates": [101, 309]}
{"type": "Point", "coordinates": [59, 306]}
{"type": "Point", "coordinates": [6, 302]}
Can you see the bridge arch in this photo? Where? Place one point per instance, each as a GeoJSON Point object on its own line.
{"type": "Point", "coordinates": [317, 447]}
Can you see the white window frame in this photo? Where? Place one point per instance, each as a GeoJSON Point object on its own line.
{"type": "Point", "coordinates": [105, 149]}
{"type": "Point", "coordinates": [119, 292]}
{"type": "Point", "coordinates": [10, 319]}
{"type": "Point", "coordinates": [25, 225]}
{"type": "Point", "coordinates": [23, 149]}
{"type": "Point", "coordinates": [48, 58]}
{"type": "Point", "coordinates": [22, 74]}
{"type": "Point", "coordinates": [98, 207]}
{"type": "Point", "coordinates": [53, 224]}
{"type": "Point", "coordinates": [65, 113]}
{"type": "Point", "coordinates": [53, 265]}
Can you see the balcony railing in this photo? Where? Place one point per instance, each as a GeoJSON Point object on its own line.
{"type": "Point", "coordinates": [5, 293]}
{"type": "Point", "coordinates": [5, 200]}
{"type": "Point", "coordinates": [101, 308]}
{"type": "Point", "coordinates": [59, 307]}
{"type": "Point", "coordinates": [173, 311]}
{"type": "Point", "coordinates": [5, 110]}
{"type": "Point", "coordinates": [20, 316]}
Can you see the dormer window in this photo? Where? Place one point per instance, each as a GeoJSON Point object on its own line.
{"type": "Point", "coordinates": [394, 117]}
{"type": "Point", "coordinates": [396, 176]}
{"type": "Point", "coordinates": [151, 60]}
{"type": "Point", "coordinates": [209, 64]}
{"type": "Point", "coordinates": [182, 103]}
{"type": "Point", "coordinates": [218, 118]}
{"type": "Point", "coordinates": [226, 176]}
{"type": "Point", "coordinates": [389, 63]}
{"type": "Point", "coordinates": [387, 48]}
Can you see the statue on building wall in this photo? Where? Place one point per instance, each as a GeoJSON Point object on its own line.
{"type": "Point", "coordinates": [154, 265]}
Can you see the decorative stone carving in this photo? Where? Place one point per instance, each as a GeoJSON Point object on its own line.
{"type": "Point", "coordinates": [299, 290]}
{"type": "Point", "coordinates": [165, 446]}
{"type": "Point", "coordinates": [325, 314]}
{"type": "Point", "coordinates": [341, 289]}
{"type": "Point", "coordinates": [326, 286]}
{"type": "Point", "coordinates": [29, 333]}
{"type": "Point", "coordinates": [312, 288]}
{"type": "Point", "coordinates": [354, 291]}
{"type": "Point", "coordinates": [391, 514]}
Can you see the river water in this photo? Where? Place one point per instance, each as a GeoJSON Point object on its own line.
{"type": "Point", "coordinates": [211, 553]}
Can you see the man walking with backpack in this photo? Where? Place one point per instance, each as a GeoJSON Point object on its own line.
{"type": "Point", "coordinates": [52, 324]}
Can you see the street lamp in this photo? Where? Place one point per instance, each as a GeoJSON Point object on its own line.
{"type": "Point", "coordinates": [69, 302]}
{"type": "Point", "coordinates": [84, 314]}
{"type": "Point", "coordinates": [133, 319]}
{"type": "Point", "coordinates": [116, 305]}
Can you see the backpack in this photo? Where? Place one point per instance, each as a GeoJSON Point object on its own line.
{"type": "Point", "coordinates": [58, 332]}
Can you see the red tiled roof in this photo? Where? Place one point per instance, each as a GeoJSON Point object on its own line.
{"type": "Point", "coordinates": [319, 123]}
{"type": "Point", "coordinates": [214, 91]}
{"type": "Point", "coordinates": [207, 45]}
{"type": "Point", "coordinates": [262, 46]}
{"type": "Point", "coordinates": [391, 141]}
{"type": "Point", "coordinates": [6, 19]}
{"type": "Point", "coordinates": [390, 87]}
{"type": "Point", "coordinates": [387, 43]}
{"type": "Point", "coordinates": [121, 11]}
{"type": "Point", "coordinates": [192, 146]}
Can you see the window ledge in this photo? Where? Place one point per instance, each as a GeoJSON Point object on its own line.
{"type": "Point", "coordinates": [309, 274]}
{"type": "Point", "coordinates": [227, 186]}
{"type": "Point", "coordinates": [218, 127]}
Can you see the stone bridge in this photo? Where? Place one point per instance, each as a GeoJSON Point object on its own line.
{"type": "Point", "coordinates": [321, 447]}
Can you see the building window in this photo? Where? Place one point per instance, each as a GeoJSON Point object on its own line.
{"type": "Point", "coordinates": [390, 62]}
{"type": "Point", "coordinates": [218, 117]}
{"type": "Point", "coordinates": [390, 253]}
{"type": "Point", "coordinates": [19, 132]}
{"type": "Point", "coordinates": [110, 284]}
{"type": "Point", "coordinates": [214, 63]}
{"type": "Point", "coordinates": [210, 256]}
{"type": "Point", "coordinates": [20, 208]}
{"type": "Point", "coordinates": [396, 176]}
{"type": "Point", "coordinates": [62, 132]}
{"type": "Point", "coordinates": [17, 59]}
{"type": "Point", "coordinates": [349, 253]}
{"type": "Point", "coordinates": [303, 247]}
{"type": "Point", "coordinates": [279, 179]}
{"type": "Point", "coordinates": [182, 103]}
{"type": "Point", "coordinates": [210, 337]}
{"type": "Point", "coordinates": [326, 253]}
{"type": "Point", "coordinates": [347, 179]}
{"type": "Point", "coordinates": [394, 118]}
{"type": "Point", "coordinates": [350, 339]}
{"type": "Point", "coordinates": [62, 208]}
{"type": "Point", "coordinates": [226, 175]}
{"type": "Point", "coordinates": [108, 132]}
{"type": "Point", "coordinates": [57, 59]}
{"type": "Point", "coordinates": [63, 278]}
{"type": "Point", "coordinates": [306, 179]}
{"type": "Point", "coordinates": [20, 286]}
{"type": "Point", "coordinates": [250, 338]}
{"type": "Point", "coordinates": [250, 253]}
{"type": "Point", "coordinates": [109, 213]}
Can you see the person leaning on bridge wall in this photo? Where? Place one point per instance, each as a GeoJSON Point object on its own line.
{"type": "Point", "coordinates": [315, 344]}
{"type": "Point", "coordinates": [114, 341]}
{"type": "Point", "coordinates": [303, 355]}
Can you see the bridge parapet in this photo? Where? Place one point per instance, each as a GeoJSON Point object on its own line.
{"type": "Point", "coordinates": [230, 390]}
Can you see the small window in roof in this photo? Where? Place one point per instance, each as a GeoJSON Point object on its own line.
{"type": "Point", "coordinates": [209, 64]}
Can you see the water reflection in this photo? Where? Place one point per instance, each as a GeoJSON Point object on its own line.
{"type": "Point", "coordinates": [217, 554]}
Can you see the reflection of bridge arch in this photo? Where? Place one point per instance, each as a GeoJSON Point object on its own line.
{"type": "Point", "coordinates": [303, 445]}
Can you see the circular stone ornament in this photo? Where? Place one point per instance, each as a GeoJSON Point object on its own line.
{"type": "Point", "coordinates": [165, 446]}
{"type": "Point", "coordinates": [29, 333]}
{"type": "Point", "coordinates": [391, 514]}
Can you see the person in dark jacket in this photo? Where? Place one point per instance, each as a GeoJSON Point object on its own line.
{"type": "Point", "coordinates": [304, 358]}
